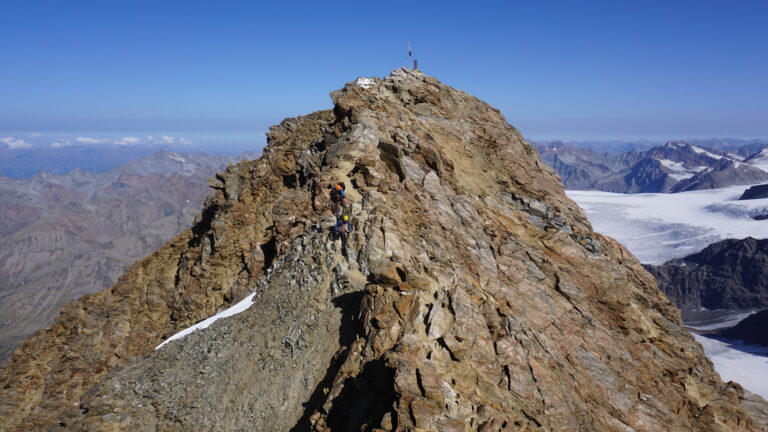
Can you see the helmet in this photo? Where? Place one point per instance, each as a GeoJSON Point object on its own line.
{"type": "Point", "coordinates": [346, 218]}
{"type": "Point", "coordinates": [338, 187]}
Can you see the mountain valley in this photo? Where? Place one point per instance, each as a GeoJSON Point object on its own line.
{"type": "Point", "coordinates": [64, 236]}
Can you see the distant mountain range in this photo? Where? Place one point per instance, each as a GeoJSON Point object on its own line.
{"type": "Point", "coordinates": [63, 236]}
{"type": "Point", "coordinates": [619, 146]}
{"type": "Point", "coordinates": [26, 162]}
{"type": "Point", "coordinates": [673, 167]}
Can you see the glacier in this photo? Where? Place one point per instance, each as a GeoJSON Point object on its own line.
{"type": "Point", "coordinates": [657, 227]}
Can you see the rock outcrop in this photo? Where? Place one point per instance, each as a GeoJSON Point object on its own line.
{"type": "Point", "coordinates": [472, 295]}
{"type": "Point", "coordinates": [755, 192]}
{"type": "Point", "coordinates": [730, 274]}
{"type": "Point", "coordinates": [751, 330]}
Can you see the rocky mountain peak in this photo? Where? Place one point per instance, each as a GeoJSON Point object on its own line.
{"type": "Point", "coordinates": [472, 294]}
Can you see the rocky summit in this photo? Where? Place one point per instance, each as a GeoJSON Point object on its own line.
{"type": "Point", "coordinates": [472, 294]}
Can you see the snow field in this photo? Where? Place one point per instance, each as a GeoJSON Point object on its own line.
{"type": "Point", "coordinates": [745, 364]}
{"type": "Point", "coordinates": [657, 227]}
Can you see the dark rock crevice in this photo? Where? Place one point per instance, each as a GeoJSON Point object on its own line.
{"type": "Point", "coordinates": [349, 330]}
{"type": "Point", "coordinates": [269, 250]}
{"type": "Point", "coordinates": [364, 399]}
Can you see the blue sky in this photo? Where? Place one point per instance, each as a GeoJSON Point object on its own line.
{"type": "Point", "coordinates": [557, 69]}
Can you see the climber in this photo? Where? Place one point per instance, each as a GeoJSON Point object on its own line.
{"type": "Point", "coordinates": [343, 227]}
{"type": "Point", "coordinates": [338, 196]}
{"type": "Point", "coordinates": [342, 230]}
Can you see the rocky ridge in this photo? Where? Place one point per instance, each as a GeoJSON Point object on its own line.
{"type": "Point", "coordinates": [730, 275]}
{"type": "Point", "coordinates": [473, 295]}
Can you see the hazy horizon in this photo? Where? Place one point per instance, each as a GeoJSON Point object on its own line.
{"type": "Point", "coordinates": [235, 142]}
{"type": "Point", "coordinates": [560, 69]}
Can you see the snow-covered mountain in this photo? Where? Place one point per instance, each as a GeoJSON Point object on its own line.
{"type": "Point", "coordinates": [674, 167]}
{"type": "Point", "coordinates": [759, 159]}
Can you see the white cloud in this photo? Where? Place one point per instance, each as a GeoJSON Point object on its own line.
{"type": "Point", "coordinates": [149, 140]}
{"type": "Point", "coordinates": [15, 143]}
{"type": "Point", "coordinates": [35, 135]}
{"type": "Point", "coordinates": [61, 143]}
{"type": "Point", "coordinates": [131, 140]}
{"type": "Point", "coordinates": [88, 140]}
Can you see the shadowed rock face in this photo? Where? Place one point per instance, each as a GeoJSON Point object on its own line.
{"type": "Point", "coordinates": [730, 274]}
{"type": "Point", "coordinates": [755, 192]}
{"type": "Point", "coordinates": [473, 295]}
{"type": "Point", "coordinates": [751, 330]}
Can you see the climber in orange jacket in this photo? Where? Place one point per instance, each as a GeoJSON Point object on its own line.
{"type": "Point", "coordinates": [338, 196]}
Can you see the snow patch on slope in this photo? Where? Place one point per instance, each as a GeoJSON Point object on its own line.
{"type": "Point", "coordinates": [243, 305]}
{"type": "Point", "coordinates": [365, 82]}
{"type": "Point", "coordinates": [679, 170]}
{"type": "Point", "coordinates": [700, 150]}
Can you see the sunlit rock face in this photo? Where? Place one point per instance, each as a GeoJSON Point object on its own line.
{"type": "Point", "coordinates": [472, 295]}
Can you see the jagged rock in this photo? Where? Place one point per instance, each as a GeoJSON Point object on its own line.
{"type": "Point", "coordinates": [674, 167]}
{"type": "Point", "coordinates": [730, 274]}
{"type": "Point", "coordinates": [461, 302]}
